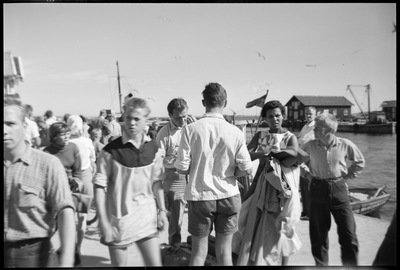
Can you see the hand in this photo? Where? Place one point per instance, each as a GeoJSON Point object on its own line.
{"type": "Point", "coordinates": [75, 184]}
{"type": "Point", "coordinates": [161, 220]}
{"type": "Point", "coordinates": [110, 234]}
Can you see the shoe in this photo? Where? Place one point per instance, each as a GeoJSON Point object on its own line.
{"type": "Point", "coordinates": [304, 217]}
{"type": "Point", "coordinates": [77, 259]}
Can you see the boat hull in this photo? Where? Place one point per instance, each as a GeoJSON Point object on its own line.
{"type": "Point", "coordinates": [389, 128]}
{"type": "Point", "coordinates": [368, 201]}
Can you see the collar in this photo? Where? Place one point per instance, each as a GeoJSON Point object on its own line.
{"type": "Point", "coordinates": [172, 126]}
{"type": "Point", "coordinates": [334, 142]}
{"type": "Point", "coordinates": [126, 139]}
{"type": "Point", "coordinates": [311, 124]}
{"type": "Point", "coordinates": [26, 157]}
{"type": "Point", "coordinates": [213, 115]}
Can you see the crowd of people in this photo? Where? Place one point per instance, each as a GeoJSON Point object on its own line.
{"type": "Point", "coordinates": [142, 178]}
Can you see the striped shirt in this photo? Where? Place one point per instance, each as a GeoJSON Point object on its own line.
{"type": "Point", "coordinates": [35, 190]}
{"type": "Point", "coordinates": [212, 149]}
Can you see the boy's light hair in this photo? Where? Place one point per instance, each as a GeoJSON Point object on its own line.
{"type": "Point", "coordinates": [136, 103]}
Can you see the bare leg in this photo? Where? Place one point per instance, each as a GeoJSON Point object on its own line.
{"type": "Point", "coordinates": [223, 249]}
{"type": "Point", "coordinates": [199, 251]}
{"type": "Point", "coordinates": [150, 249]}
{"type": "Point", "coordinates": [80, 230]}
{"type": "Point", "coordinates": [119, 256]}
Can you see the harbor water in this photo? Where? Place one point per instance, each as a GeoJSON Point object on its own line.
{"type": "Point", "coordinates": [379, 151]}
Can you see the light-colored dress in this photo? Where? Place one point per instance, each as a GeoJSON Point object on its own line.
{"type": "Point", "coordinates": [262, 239]}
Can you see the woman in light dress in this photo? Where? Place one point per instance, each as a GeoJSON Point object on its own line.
{"type": "Point", "coordinates": [271, 207]}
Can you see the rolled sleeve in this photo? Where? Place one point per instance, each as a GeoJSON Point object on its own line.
{"type": "Point", "coordinates": [243, 159]}
{"type": "Point", "coordinates": [104, 167]}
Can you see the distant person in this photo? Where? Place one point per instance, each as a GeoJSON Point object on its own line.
{"type": "Point", "coordinates": [153, 130]}
{"type": "Point", "coordinates": [168, 139]}
{"type": "Point", "coordinates": [86, 127]}
{"type": "Point", "coordinates": [387, 252]}
{"type": "Point", "coordinates": [306, 134]}
{"type": "Point", "coordinates": [95, 136]}
{"type": "Point", "coordinates": [86, 151]}
{"type": "Point", "coordinates": [37, 200]}
{"type": "Point", "coordinates": [267, 219]}
{"type": "Point", "coordinates": [101, 120]}
{"type": "Point", "coordinates": [43, 132]}
{"type": "Point", "coordinates": [114, 129]}
{"type": "Point", "coordinates": [31, 128]}
{"type": "Point", "coordinates": [128, 190]}
{"type": "Point", "coordinates": [212, 152]}
{"type": "Point", "coordinates": [50, 118]}
{"type": "Point", "coordinates": [65, 117]}
{"type": "Point", "coordinates": [328, 171]}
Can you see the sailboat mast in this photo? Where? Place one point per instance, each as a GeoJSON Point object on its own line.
{"type": "Point", "coordinates": [119, 89]}
{"type": "Point", "coordinates": [369, 103]}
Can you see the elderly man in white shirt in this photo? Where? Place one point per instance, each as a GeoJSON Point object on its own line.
{"type": "Point", "coordinates": [213, 153]}
{"type": "Point", "coordinates": [306, 134]}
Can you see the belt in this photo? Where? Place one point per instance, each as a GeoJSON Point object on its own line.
{"type": "Point", "coordinates": [26, 242]}
{"type": "Point", "coordinates": [335, 179]}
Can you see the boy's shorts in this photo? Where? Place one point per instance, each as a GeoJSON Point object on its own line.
{"type": "Point", "coordinates": [223, 213]}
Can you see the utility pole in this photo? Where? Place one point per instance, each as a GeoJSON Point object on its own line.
{"type": "Point", "coordinates": [119, 90]}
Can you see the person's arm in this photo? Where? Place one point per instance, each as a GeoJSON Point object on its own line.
{"type": "Point", "coordinates": [287, 156]}
{"type": "Point", "coordinates": [356, 159]}
{"type": "Point", "coordinates": [158, 192]}
{"type": "Point", "coordinates": [67, 228]}
{"type": "Point", "coordinates": [182, 163]}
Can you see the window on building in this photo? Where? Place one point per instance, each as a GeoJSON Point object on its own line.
{"type": "Point", "coordinates": [296, 104]}
{"type": "Point", "coordinates": [345, 112]}
{"type": "Point", "coordinates": [326, 110]}
{"type": "Point", "coordinates": [290, 113]}
{"type": "Point", "coordinates": [296, 115]}
{"type": "Point", "coordinates": [334, 112]}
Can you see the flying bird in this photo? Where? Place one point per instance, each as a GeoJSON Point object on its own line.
{"type": "Point", "coordinates": [356, 51]}
{"type": "Point", "coordinates": [312, 65]}
{"type": "Point", "coordinates": [260, 55]}
{"type": "Point", "coordinates": [164, 19]}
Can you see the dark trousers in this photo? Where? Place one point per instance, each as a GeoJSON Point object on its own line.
{"type": "Point", "coordinates": [305, 196]}
{"type": "Point", "coordinates": [176, 210]}
{"type": "Point", "coordinates": [331, 197]}
{"type": "Point", "coordinates": [30, 253]}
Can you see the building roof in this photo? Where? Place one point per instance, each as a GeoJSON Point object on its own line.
{"type": "Point", "coordinates": [323, 100]}
{"type": "Point", "coordinates": [388, 103]}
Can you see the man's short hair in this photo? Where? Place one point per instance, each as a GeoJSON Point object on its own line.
{"type": "Point", "coordinates": [14, 100]}
{"type": "Point", "coordinates": [214, 95]}
{"type": "Point", "coordinates": [177, 104]}
{"type": "Point", "coordinates": [311, 108]}
{"type": "Point", "coordinates": [328, 120]}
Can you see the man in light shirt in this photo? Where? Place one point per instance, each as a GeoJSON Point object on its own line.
{"type": "Point", "coordinates": [306, 134]}
{"type": "Point", "coordinates": [331, 162]}
{"type": "Point", "coordinates": [168, 139]}
{"type": "Point", "coordinates": [213, 153]}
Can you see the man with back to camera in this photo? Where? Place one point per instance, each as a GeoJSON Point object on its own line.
{"type": "Point", "coordinates": [213, 153]}
{"type": "Point", "coordinates": [328, 172]}
{"type": "Point", "coordinates": [37, 199]}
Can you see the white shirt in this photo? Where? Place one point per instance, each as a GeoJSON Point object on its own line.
{"type": "Point", "coordinates": [307, 133]}
{"type": "Point", "coordinates": [212, 149]}
{"type": "Point", "coordinates": [86, 150]}
{"type": "Point", "coordinates": [31, 130]}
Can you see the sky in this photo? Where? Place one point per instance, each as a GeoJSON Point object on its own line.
{"type": "Point", "coordinates": [164, 51]}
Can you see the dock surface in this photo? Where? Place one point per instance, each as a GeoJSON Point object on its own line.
{"type": "Point", "coordinates": [370, 232]}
